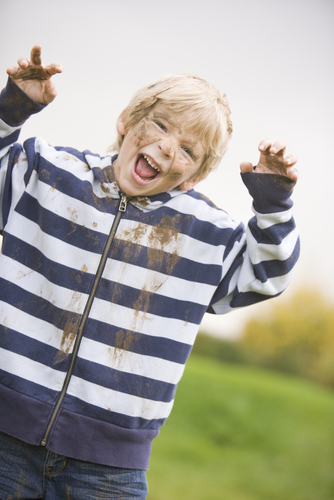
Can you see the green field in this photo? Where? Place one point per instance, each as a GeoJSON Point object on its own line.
{"type": "Point", "coordinates": [240, 433]}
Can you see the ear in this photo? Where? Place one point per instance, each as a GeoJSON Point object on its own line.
{"type": "Point", "coordinates": [190, 184]}
{"type": "Point", "coordinates": [120, 124]}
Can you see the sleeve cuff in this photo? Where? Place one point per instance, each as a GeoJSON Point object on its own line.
{"type": "Point", "coordinates": [16, 106]}
{"type": "Point", "coordinates": [270, 192]}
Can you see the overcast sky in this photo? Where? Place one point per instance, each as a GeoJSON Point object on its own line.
{"type": "Point", "coordinates": [273, 58]}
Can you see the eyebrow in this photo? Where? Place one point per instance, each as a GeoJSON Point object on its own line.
{"type": "Point", "coordinates": [164, 116]}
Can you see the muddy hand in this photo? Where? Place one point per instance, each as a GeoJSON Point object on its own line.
{"type": "Point", "coordinates": [34, 78]}
{"type": "Point", "coordinates": [273, 160]}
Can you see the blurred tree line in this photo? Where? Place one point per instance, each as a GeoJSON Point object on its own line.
{"type": "Point", "coordinates": [295, 337]}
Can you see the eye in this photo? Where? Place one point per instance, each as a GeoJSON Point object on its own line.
{"type": "Point", "coordinates": [188, 151]}
{"type": "Point", "coordinates": [161, 126]}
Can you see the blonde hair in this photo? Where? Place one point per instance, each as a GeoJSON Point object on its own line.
{"type": "Point", "coordinates": [207, 108]}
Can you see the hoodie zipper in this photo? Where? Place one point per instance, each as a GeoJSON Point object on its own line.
{"type": "Point", "coordinates": [121, 209]}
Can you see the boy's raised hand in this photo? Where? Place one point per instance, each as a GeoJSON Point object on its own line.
{"type": "Point", "coordinates": [273, 160]}
{"type": "Point", "coordinates": [34, 78]}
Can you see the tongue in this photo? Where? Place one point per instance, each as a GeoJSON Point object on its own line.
{"type": "Point", "coordinates": [144, 170]}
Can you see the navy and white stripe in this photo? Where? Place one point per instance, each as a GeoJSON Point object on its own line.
{"type": "Point", "coordinates": [174, 257]}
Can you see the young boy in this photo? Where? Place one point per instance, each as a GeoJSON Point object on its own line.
{"type": "Point", "coordinates": [107, 268]}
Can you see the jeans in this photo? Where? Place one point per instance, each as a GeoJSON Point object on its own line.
{"type": "Point", "coordinates": [28, 472]}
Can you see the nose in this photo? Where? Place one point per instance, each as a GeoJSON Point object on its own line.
{"type": "Point", "coordinates": [167, 146]}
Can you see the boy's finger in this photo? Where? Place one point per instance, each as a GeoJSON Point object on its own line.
{"type": "Point", "coordinates": [23, 62]}
{"type": "Point", "coordinates": [278, 147]}
{"type": "Point", "coordinates": [53, 68]}
{"type": "Point", "coordinates": [50, 92]}
{"type": "Point", "coordinates": [291, 160]}
{"type": "Point", "coordinates": [36, 55]}
{"type": "Point", "coordinates": [12, 70]}
{"type": "Point", "coordinates": [292, 173]}
{"type": "Point", "coordinates": [264, 145]}
{"type": "Point", "coordinates": [246, 166]}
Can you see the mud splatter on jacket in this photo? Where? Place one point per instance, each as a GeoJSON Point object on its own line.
{"type": "Point", "coordinates": [101, 297]}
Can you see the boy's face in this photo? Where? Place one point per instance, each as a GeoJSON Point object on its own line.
{"type": "Point", "coordinates": [158, 154]}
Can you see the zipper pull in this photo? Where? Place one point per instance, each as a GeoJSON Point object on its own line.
{"type": "Point", "coordinates": [123, 203]}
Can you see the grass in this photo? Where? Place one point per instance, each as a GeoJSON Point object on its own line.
{"type": "Point", "coordinates": [240, 433]}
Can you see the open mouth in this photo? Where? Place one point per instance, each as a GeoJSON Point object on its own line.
{"type": "Point", "coordinates": [145, 169]}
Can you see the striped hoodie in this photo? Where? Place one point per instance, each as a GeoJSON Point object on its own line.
{"type": "Point", "coordinates": [101, 297]}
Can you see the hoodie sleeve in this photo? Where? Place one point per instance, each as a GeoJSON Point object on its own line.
{"type": "Point", "coordinates": [15, 109]}
{"type": "Point", "coordinates": [259, 261]}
